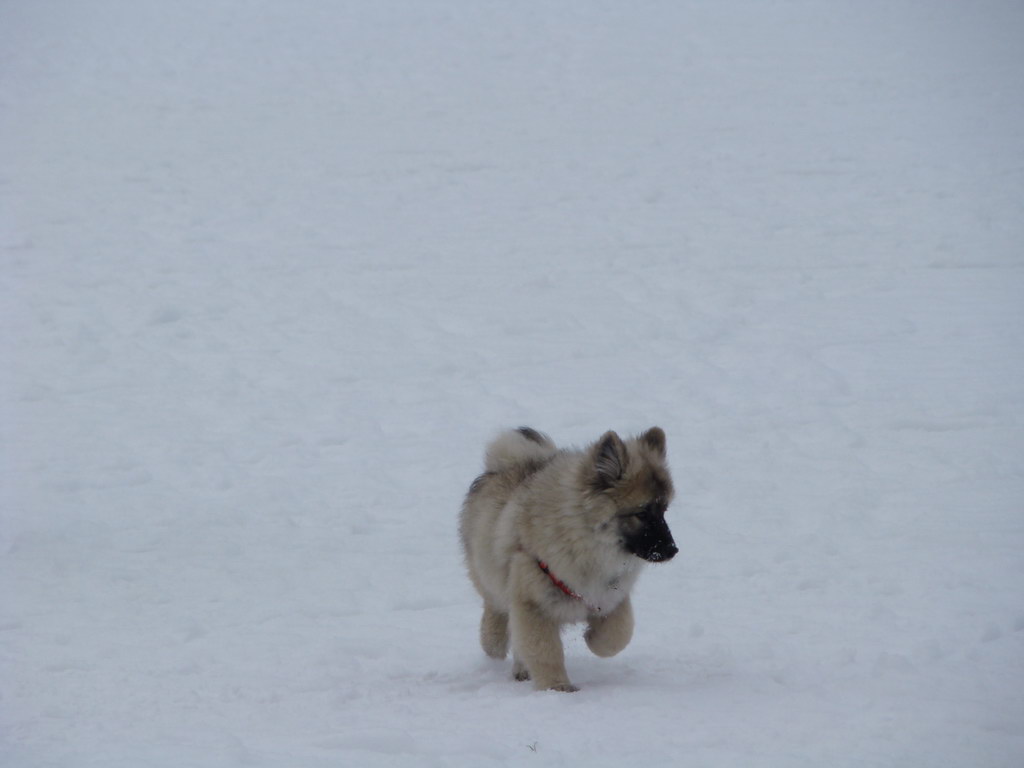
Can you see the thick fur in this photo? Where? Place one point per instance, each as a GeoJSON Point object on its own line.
{"type": "Point", "coordinates": [592, 516]}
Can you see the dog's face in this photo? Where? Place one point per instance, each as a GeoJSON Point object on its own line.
{"type": "Point", "coordinates": [643, 532]}
{"type": "Point", "coordinates": [635, 483]}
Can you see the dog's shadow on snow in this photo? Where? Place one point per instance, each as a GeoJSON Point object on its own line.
{"type": "Point", "coordinates": [626, 672]}
{"type": "Point", "coordinates": [644, 673]}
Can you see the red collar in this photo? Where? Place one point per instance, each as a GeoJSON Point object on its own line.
{"type": "Point", "coordinates": [558, 582]}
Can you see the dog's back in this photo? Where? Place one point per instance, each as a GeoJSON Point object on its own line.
{"type": "Point", "coordinates": [519, 451]}
{"type": "Point", "coordinates": [510, 459]}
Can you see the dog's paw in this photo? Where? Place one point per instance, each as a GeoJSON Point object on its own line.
{"type": "Point", "coordinates": [564, 688]}
{"type": "Point", "coordinates": [603, 646]}
{"type": "Point", "coordinates": [608, 637]}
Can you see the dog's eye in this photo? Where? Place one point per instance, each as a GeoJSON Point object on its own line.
{"type": "Point", "coordinates": [646, 513]}
{"type": "Point", "coordinates": [654, 509]}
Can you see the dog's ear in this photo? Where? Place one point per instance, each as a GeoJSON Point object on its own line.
{"type": "Point", "coordinates": [654, 438]}
{"type": "Point", "coordinates": [609, 460]}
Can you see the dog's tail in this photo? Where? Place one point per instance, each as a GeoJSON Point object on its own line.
{"type": "Point", "coordinates": [518, 447]}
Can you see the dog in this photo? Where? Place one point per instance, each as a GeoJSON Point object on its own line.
{"type": "Point", "coordinates": [558, 536]}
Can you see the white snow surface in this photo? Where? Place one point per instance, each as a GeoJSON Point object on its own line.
{"type": "Point", "coordinates": [274, 272]}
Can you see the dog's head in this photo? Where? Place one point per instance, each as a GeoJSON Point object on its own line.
{"type": "Point", "coordinates": [631, 477]}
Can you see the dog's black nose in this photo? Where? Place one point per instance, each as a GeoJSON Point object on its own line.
{"type": "Point", "coordinates": [662, 553]}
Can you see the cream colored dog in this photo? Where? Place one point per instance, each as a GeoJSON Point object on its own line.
{"type": "Point", "coordinates": [554, 537]}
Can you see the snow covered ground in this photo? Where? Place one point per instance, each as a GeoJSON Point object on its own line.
{"type": "Point", "coordinates": [273, 272]}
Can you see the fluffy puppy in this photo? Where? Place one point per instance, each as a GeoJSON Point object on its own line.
{"type": "Point", "coordinates": [556, 536]}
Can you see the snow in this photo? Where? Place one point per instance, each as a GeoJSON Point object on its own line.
{"type": "Point", "coordinates": [273, 273]}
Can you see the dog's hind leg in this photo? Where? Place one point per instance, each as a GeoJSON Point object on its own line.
{"type": "Point", "coordinates": [494, 632]}
{"type": "Point", "coordinates": [607, 635]}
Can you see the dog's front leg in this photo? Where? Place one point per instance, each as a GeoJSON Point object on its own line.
{"type": "Point", "coordinates": [607, 635]}
{"type": "Point", "coordinates": [538, 646]}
